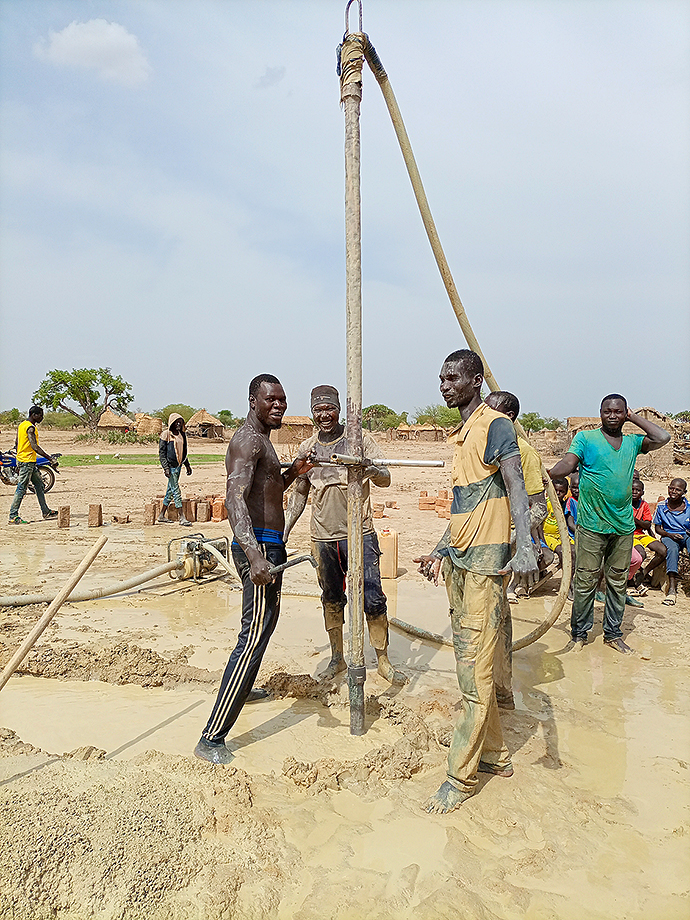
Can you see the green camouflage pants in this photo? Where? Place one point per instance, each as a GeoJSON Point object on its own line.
{"type": "Point", "coordinates": [477, 609]}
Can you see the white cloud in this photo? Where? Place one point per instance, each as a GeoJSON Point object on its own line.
{"type": "Point", "coordinates": [106, 47]}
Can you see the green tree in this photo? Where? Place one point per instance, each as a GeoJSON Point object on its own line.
{"type": "Point", "coordinates": [553, 423]}
{"type": "Point", "coordinates": [180, 408]}
{"type": "Point", "coordinates": [92, 389]}
{"type": "Point", "coordinates": [531, 421]}
{"type": "Point", "coordinates": [10, 417]}
{"type": "Point", "coordinates": [683, 416]}
{"type": "Point", "coordinates": [380, 418]}
{"type": "Point", "coordinates": [228, 419]}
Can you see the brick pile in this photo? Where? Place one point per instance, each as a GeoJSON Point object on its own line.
{"type": "Point", "coordinates": [440, 503]}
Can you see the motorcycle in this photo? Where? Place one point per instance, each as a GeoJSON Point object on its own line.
{"type": "Point", "coordinates": [9, 471]}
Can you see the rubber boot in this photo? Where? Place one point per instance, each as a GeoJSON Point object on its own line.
{"type": "Point", "coordinates": [337, 662]}
{"type": "Point", "coordinates": [378, 636]}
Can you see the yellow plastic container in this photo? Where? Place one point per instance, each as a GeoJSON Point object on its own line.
{"type": "Point", "coordinates": [388, 543]}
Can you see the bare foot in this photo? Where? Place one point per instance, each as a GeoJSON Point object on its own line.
{"type": "Point", "coordinates": [446, 799]}
{"type": "Point", "coordinates": [388, 672]}
{"type": "Point", "coordinates": [213, 753]}
{"type": "Point", "coordinates": [334, 666]}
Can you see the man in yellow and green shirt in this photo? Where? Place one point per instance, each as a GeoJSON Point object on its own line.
{"type": "Point", "coordinates": [488, 488]}
{"type": "Point", "coordinates": [28, 450]}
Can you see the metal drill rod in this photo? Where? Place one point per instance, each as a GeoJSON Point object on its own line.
{"type": "Point", "coordinates": [346, 460]}
{"type": "Point", "coordinates": [274, 570]}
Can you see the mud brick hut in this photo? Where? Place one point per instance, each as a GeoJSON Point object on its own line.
{"type": "Point", "coordinates": [147, 424]}
{"type": "Point", "coordinates": [295, 428]}
{"type": "Point", "coordinates": [111, 421]}
{"type": "Point", "coordinates": [658, 464]}
{"type": "Point", "coordinates": [204, 425]}
{"type": "Point", "coordinates": [551, 443]}
{"type": "Point", "coordinates": [402, 433]}
{"type": "Point", "coordinates": [429, 433]}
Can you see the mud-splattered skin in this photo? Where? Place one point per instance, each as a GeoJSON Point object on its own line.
{"type": "Point", "coordinates": [255, 484]}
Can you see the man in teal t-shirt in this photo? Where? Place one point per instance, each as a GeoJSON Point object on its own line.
{"type": "Point", "coordinates": [605, 525]}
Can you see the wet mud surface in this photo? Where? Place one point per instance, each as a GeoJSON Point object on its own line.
{"type": "Point", "coordinates": [104, 812]}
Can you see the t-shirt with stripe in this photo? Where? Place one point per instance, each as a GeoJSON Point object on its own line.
{"type": "Point", "coordinates": [480, 511]}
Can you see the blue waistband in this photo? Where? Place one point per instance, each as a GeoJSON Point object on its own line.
{"type": "Point", "coordinates": [264, 535]}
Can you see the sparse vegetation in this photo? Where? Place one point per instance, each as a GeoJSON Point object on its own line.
{"type": "Point", "coordinates": [438, 415]}
{"type": "Point", "coordinates": [532, 421]}
{"type": "Point", "coordinates": [228, 419]}
{"type": "Point", "coordinates": [185, 411]}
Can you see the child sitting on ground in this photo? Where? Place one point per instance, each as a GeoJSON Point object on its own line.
{"type": "Point", "coordinates": [552, 536]}
{"type": "Point", "coordinates": [672, 524]}
{"type": "Point", "coordinates": [570, 510]}
{"type": "Point", "coordinates": [644, 540]}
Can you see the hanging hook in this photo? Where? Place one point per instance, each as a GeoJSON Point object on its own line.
{"type": "Point", "coordinates": [347, 15]}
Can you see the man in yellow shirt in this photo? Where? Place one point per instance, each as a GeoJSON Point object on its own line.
{"type": "Point", "coordinates": [28, 450]}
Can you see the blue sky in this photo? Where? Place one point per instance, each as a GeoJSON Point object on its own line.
{"type": "Point", "coordinates": [172, 198]}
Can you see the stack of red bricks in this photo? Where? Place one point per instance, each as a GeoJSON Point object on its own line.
{"type": "Point", "coordinates": [439, 503]}
{"type": "Point", "coordinates": [200, 508]}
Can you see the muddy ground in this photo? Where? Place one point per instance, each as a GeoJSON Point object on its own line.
{"type": "Point", "coordinates": [106, 814]}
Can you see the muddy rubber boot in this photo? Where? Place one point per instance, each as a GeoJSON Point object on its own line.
{"type": "Point", "coordinates": [378, 636]}
{"type": "Point", "coordinates": [337, 662]}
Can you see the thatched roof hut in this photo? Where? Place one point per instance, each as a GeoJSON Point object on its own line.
{"type": "Point", "coordinates": [147, 424]}
{"type": "Point", "coordinates": [111, 421]}
{"type": "Point", "coordinates": [204, 425]}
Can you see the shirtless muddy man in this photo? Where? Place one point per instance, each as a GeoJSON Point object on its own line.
{"type": "Point", "coordinates": [254, 499]}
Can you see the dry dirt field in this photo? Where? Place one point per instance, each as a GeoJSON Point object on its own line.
{"type": "Point", "coordinates": [106, 814]}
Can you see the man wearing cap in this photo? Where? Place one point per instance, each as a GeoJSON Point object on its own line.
{"type": "Point", "coordinates": [329, 531]}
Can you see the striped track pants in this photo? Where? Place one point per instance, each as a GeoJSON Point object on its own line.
{"type": "Point", "coordinates": [260, 609]}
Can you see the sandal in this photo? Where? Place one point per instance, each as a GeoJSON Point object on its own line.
{"type": "Point", "coordinates": [639, 591]}
{"type": "Point", "coordinates": [669, 601]}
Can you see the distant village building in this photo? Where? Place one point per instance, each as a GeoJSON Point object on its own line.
{"type": "Point", "coordinates": [147, 424]}
{"type": "Point", "coordinates": [294, 428]}
{"type": "Point", "coordinates": [111, 421]}
{"type": "Point", "coordinates": [401, 433]}
{"type": "Point", "coordinates": [204, 425]}
{"type": "Point", "coordinates": [429, 433]}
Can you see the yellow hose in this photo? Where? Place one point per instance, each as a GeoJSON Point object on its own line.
{"type": "Point", "coordinates": [377, 69]}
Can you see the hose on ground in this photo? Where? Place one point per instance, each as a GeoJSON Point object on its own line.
{"type": "Point", "coordinates": [23, 600]}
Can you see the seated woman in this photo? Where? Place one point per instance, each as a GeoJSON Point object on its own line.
{"type": "Point", "coordinates": [672, 524]}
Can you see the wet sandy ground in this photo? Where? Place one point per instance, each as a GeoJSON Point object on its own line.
{"type": "Point", "coordinates": [310, 821]}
